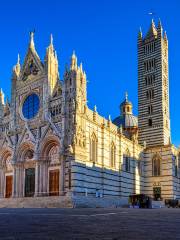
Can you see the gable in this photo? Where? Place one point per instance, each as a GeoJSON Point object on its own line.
{"type": "Point", "coordinates": [32, 66]}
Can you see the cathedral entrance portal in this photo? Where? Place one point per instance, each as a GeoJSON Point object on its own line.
{"type": "Point", "coordinates": [54, 182]}
{"type": "Point", "coordinates": [9, 182]}
{"type": "Point", "coordinates": [29, 182]}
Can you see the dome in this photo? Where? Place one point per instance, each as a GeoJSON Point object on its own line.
{"type": "Point", "coordinates": [127, 121]}
{"type": "Point", "coordinates": [126, 118]}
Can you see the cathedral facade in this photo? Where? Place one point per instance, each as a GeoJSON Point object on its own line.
{"type": "Point", "coordinates": [53, 146]}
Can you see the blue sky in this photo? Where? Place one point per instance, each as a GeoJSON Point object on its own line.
{"type": "Point", "coordinates": [104, 36]}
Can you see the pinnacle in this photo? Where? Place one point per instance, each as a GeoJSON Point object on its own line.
{"type": "Point", "coordinates": [18, 59]}
{"type": "Point", "coordinates": [31, 44]}
{"type": "Point", "coordinates": [51, 39]}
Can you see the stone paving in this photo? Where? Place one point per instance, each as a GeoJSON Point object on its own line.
{"type": "Point", "coordinates": [87, 224]}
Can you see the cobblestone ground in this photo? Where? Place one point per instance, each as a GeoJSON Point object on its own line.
{"type": "Point", "coordinates": [60, 224]}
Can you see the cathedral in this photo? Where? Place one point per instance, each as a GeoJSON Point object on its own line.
{"type": "Point", "coordinates": [55, 149]}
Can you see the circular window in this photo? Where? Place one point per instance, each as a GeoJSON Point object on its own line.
{"type": "Point", "coordinates": [30, 106]}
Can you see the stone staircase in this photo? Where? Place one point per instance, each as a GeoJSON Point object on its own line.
{"type": "Point", "coordinates": [37, 202]}
{"type": "Point", "coordinates": [62, 202]}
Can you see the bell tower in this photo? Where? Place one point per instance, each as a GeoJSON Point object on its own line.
{"type": "Point", "coordinates": [153, 87]}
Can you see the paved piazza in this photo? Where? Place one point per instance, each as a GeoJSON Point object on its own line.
{"type": "Point", "coordinates": [60, 224]}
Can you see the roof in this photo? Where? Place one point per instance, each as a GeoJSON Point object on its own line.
{"type": "Point", "coordinates": [126, 120]}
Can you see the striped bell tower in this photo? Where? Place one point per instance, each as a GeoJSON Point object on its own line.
{"type": "Point", "coordinates": [153, 87]}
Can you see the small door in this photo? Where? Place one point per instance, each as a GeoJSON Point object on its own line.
{"type": "Point", "coordinates": [9, 182]}
{"type": "Point", "coordinates": [157, 193]}
{"type": "Point", "coordinates": [54, 182]}
{"type": "Point", "coordinates": [29, 182]}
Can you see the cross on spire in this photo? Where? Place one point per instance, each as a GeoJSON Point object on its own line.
{"type": "Point", "coordinates": [126, 96]}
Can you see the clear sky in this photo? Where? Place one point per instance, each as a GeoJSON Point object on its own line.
{"type": "Point", "coordinates": [104, 35]}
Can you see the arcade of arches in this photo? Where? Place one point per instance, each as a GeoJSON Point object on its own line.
{"type": "Point", "coordinates": [31, 174]}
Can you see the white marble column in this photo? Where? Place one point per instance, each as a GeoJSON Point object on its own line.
{"type": "Point", "coordinates": [43, 182]}
{"type": "Point", "coordinates": [14, 192]}
{"type": "Point", "coordinates": [37, 172]}
{"type": "Point", "coordinates": [2, 183]}
{"type": "Point", "coordinates": [45, 178]}
{"type": "Point", "coordinates": [18, 179]}
{"type": "Point", "coordinates": [41, 178]}
{"type": "Point", "coordinates": [61, 175]}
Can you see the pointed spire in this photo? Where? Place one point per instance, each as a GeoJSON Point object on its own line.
{"type": "Point", "coordinates": [18, 59]}
{"type": "Point", "coordinates": [17, 67]}
{"type": "Point", "coordinates": [81, 68]}
{"type": "Point", "coordinates": [31, 44]}
{"type": "Point", "coordinates": [73, 61]}
{"type": "Point", "coordinates": [165, 36]}
{"type": "Point", "coordinates": [1, 97]}
{"type": "Point", "coordinates": [140, 33]}
{"type": "Point", "coordinates": [1, 104]}
{"type": "Point", "coordinates": [152, 30]}
{"type": "Point", "coordinates": [95, 108]}
{"type": "Point", "coordinates": [51, 39]}
{"type": "Point", "coordinates": [50, 48]}
{"type": "Point", "coordinates": [73, 55]}
{"type": "Point", "coordinates": [159, 29]}
{"type": "Point", "coordinates": [126, 96]}
{"type": "Point", "coordinates": [159, 24]}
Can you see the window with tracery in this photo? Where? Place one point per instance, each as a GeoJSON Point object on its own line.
{"type": "Point", "coordinates": [156, 166]}
{"type": "Point", "coordinates": [127, 161]}
{"type": "Point", "coordinates": [93, 148]}
{"type": "Point", "coordinates": [54, 154]}
{"type": "Point", "coordinates": [113, 155]}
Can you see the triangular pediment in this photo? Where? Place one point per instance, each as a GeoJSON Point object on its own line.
{"type": "Point", "coordinates": [7, 142]}
{"type": "Point", "coordinates": [26, 136]}
{"type": "Point", "coordinates": [32, 66]}
{"type": "Point", "coordinates": [51, 129]}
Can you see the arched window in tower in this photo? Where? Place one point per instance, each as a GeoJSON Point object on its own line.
{"type": "Point", "coordinates": [127, 162]}
{"type": "Point", "coordinates": [93, 148]}
{"type": "Point", "coordinates": [112, 155]}
{"type": "Point", "coordinates": [156, 166]}
{"type": "Point", "coordinates": [150, 122]}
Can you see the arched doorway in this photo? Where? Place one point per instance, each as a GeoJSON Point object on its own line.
{"type": "Point", "coordinates": [25, 170]}
{"type": "Point", "coordinates": [29, 174]}
{"type": "Point", "coordinates": [50, 154]}
{"type": "Point", "coordinates": [8, 173]}
{"type": "Point", "coordinates": [54, 172]}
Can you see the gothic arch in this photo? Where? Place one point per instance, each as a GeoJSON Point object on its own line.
{"type": "Point", "coordinates": [156, 165]}
{"type": "Point", "coordinates": [6, 158]}
{"type": "Point", "coordinates": [50, 149]}
{"type": "Point", "coordinates": [93, 147]}
{"type": "Point", "coordinates": [25, 152]}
